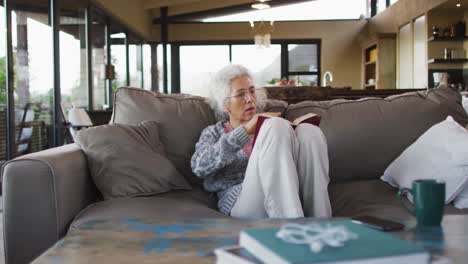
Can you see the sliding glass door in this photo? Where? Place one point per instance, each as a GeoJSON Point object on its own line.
{"type": "Point", "coordinates": [3, 94]}
{"type": "Point", "coordinates": [33, 76]}
{"type": "Point", "coordinates": [73, 55]}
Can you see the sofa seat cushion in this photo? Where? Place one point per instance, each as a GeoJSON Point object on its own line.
{"type": "Point", "coordinates": [371, 197]}
{"type": "Point", "coordinates": [168, 206]}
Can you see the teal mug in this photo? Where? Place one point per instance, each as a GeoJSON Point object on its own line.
{"type": "Point", "coordinates": [428, 201]}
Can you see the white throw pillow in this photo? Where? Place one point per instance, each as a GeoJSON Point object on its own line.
{"type": "Point", "coordinates": [441, 153]}
{"type": "Point", "coordinates": [461, 201]}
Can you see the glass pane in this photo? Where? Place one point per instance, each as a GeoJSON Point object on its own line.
{"type": "Point", "coordinates": [381, 5]}
{"type": "Point", "coordinates": [118, 58]}
{"type": "Point", "coordinates": [306, 80]}
{"type": "Point", "coordinates": [135, 62]}
{"type": "Point", "coordinates": [99, 60]}
{"type": "Point", "coordinates": [73, 63]}
{"type": "Point", "coordinates": [169, 71]}
{"type": "Point", "coordinates": [33, 83]}
{"type": "Point", "coordinates": [159, 51]}
{"type": "Point", "coordinates": [303, 57]}
{"type": "Point", "coordinates": [198, 64]}
{"type": "Point", "coordinates": [264, 63]}
{"type": "Point", "coordinates": [3, 127]}
{"type": "Point", "coordinates": [147, 67]}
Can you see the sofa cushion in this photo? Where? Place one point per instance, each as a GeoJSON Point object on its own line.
{"type": "Point", "coordinates": [175, 205]}
{"type": "Point", "coordinates": [181, 119]}
{"type": "Point", "coordinates": [272, 105]}
{"type": "Point", "coordinates": [127, 160]}
{"type": "Point", "coordinates": [364, 136]}
{"type": "Point", "coordinates": [371, 197]}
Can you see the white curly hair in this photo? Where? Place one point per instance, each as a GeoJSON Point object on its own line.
{"type": "Point", "coordinates": [220, 88]}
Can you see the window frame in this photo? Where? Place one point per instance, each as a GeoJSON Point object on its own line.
{"type": "Point", "coordinates": [175, 55]}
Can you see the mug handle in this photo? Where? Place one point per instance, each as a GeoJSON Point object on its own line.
{"type": "Point", "coordinates": [402, 192]}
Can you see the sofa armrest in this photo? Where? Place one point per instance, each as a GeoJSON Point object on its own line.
{"type": "Point", "coordinates": [42, 193]}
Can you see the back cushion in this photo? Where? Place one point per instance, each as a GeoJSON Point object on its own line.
{"type": "Point", "coordinates": [272, 105]}
{"type": "Point", "coordinates": [366, 135]}
{"type": "Point", "coordinates": [181, 118]}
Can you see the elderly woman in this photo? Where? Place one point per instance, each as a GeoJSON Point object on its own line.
{"type": "Point", "coordinates": [285, 175]}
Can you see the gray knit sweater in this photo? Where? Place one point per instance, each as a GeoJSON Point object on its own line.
{"type": "Point", "coordinates": [220, 161]}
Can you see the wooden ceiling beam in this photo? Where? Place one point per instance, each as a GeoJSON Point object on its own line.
{"type": "Point", "coordinates": [152, 4]}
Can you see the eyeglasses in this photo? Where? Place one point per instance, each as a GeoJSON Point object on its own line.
{"type": "Point", "coordinates": [242, 94]}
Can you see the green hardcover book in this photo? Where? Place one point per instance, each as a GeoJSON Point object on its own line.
{"type": "Point", "coordinates": [371, 246]}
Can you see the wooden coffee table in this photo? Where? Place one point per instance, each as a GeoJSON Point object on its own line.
{"type": "Point", "coordinates": [193, 240]}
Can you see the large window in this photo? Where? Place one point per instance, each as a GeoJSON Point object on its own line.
{"type": "Point", "coordinates": [303, 63]}
{"type": "Point", "coordinates": [135, 62]}
{"type": "Point", "coordinates": [3, 121]}
{"type": "Point", "coordinates": [36, 80]}
{"type": "Point", "coordinates": [118, 57]}
{"type": "Point", "coordinates": [381, 5]}
{"type": "Point", "coordinates": [73, 62]}
{"type": "Point", "coordinates": [198, 63]}
{"type": "Point", "coordinates": [264, 63]}
{"type": "Point", "coordinates": [169, 67]}
{"type": "Point", "coordinates": [99, 61]}
{"type": "Point", "coordinates": [160, 70]}
{"type": "Point", "coordinates": [33, 82]}
{"type": "Point", "coordinates": [160, 55]}
{"type": "Point", "coordinates": [147, 80]}
{"type": "Point", "coordinates": [300, 63]}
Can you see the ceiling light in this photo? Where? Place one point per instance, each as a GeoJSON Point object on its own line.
{"type": "Point", "coordinates": [262, 31]}
{"type": "Point", "coordinates": [458, 5]}
{"type": "Point", "coordinates": [260, 6]}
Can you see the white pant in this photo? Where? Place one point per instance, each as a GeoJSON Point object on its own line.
{"type": "Point", "coordinates": [287, 168]}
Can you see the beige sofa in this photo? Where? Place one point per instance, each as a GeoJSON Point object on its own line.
{"type": "Point", "coordinates": [50, 192]}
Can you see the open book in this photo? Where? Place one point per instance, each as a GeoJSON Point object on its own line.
{"type": "Point", "coordinates": [309, 118]}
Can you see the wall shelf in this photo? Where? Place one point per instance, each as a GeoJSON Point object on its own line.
{"type": "Point", "coordinates": [433, 61]}
{"type": "Point", "coordinates": [379, 62]}
{"type": "Point", "coordinates": [432, 38]}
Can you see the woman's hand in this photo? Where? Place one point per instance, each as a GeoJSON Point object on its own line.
{"type": "Point", "coordinates": [252, 123]}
